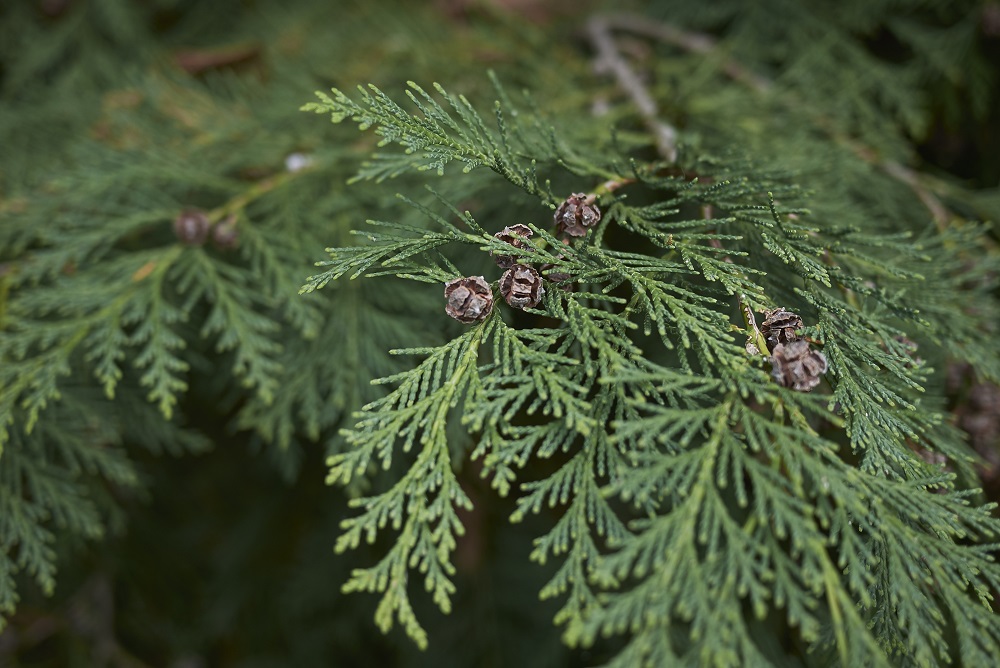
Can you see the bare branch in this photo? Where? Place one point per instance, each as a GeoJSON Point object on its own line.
{"type": "Point", "coordinates": [609, 59]}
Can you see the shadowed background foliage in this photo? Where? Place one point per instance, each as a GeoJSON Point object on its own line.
{"type": "Point", "coordinates": [185, 507]}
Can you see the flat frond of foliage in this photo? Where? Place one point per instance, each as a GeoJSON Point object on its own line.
{"type": "Point", "coordinates": [620, 458]}
{"type": "Point", "coordinates": [690, 493]}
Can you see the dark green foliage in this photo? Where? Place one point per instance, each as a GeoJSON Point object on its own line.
{"type": "Point", "coordinates": [621, 451]}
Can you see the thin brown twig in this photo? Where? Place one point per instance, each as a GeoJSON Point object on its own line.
{"type": "Point", "coordinates": [609, 59]}
{"type": "Point", "coordinates": [693, 42]}
{"type": "Point", "coordinates": [912, 179]}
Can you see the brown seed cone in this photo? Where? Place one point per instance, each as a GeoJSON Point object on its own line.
{"type": "Point", "coordinates": [779, 327]}
{"type": "Point", "coordinates": [555, 277]}
{"type": "Point", "coordinates": [576, 215]}
{"type": "Point", "coordinates": [794, 365]}
{"type": "Point", "coordinates": [225, 234]}
{"type": "Point", "coordinates": [514, 235]}
{"type": "Point", "coordinates": [191, 227]}
{"type": "Point", "coordinates": [521, 286]}
{"type": "Point", "coordinates": [469, 299]}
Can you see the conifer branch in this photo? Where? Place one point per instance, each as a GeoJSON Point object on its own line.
{"type": "Point", "coordinates": [576, 343]}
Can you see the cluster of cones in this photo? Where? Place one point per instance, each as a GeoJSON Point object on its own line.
{"type": "Point", "coordinates": [470, 299]}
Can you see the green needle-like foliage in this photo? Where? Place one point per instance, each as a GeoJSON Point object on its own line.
{"type": "Point", "coordinates": [696, 496]}
{"type": "Point", "coordinates": [651, 464]}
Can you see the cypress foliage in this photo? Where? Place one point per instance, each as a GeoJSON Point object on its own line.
{"type": "Point", "coordinates": [719, 384]}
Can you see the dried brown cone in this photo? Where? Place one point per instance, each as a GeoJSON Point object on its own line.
{"type": "Point", "coordinates": [779, 327]}
{"type": "Point", "coordinates": [191, 227]}
{"type": "Point", "coordinates": [225, 234]}
{"type": "Point", "coordinates": [576, 215]}
{"type": "Point", "coordinates": [470, 299]}
{"type": "Point", "coordinates": [555, 277]}
{"type": "Point", "coordinates": [521, 286]}
{"type": "Point", "coordinates": [515, 235]}
{"type": "Point", "coordinates": [794, 365]}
